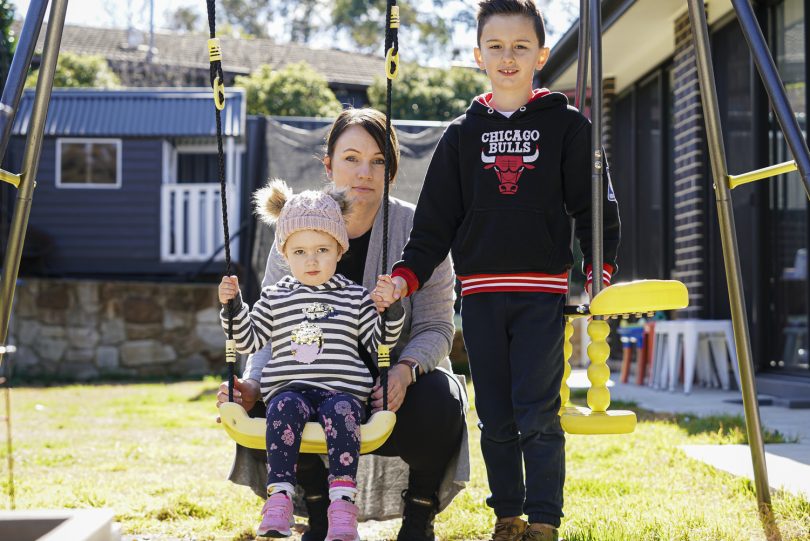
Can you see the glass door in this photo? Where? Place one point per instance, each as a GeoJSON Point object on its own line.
{"type": "Point", "coordinates": [788, 204]}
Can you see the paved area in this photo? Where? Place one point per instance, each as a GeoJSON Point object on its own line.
{"type": "Point", "coordinates": [788, 463]}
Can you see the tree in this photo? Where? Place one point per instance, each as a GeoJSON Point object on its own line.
{"type": "Point", "coordinates": [7, 41]}
{"type": "Point", "coordinates": [429, 93]}
{"type": "Point", "coordinates": [185, 19]}
{"type": "Point", "coordinates": [74, 70]}
{"type": "Point", "coordinates": [295, 90]}
{"type": "Point", "coordinates": [429, 28]}
{"type": "Point", "coordinates": [252, 17]}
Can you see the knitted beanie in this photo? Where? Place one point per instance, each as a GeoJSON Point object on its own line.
{"type": "Point", "coordinates": [317, 210]}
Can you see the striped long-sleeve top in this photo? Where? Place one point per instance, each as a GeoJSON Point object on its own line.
{"type": "Point", "coordinates": [314, 332]}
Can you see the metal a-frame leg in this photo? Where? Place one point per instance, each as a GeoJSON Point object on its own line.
{"type": "Point", "coordinates": [30, 165]}
{"type": "Point", "coordinates": [725, 213]}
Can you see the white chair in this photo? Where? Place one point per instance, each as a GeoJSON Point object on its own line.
{"type": "Point", "coordinates": [683, 335]}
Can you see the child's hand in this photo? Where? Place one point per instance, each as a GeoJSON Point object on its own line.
{"type": "Point", "coordinates": [228, 289]}
{"type": "Point", "coordinates": [384, 294]}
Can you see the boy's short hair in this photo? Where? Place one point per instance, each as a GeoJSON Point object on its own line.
{"type": "Point", "coordinates": [488, 8]}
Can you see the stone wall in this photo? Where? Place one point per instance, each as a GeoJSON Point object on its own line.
{"type": "Point", "coordinates": [86, 330]}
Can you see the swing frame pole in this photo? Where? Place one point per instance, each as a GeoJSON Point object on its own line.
{"type": "Point", "coordinates": [15, 82]}
{"type": "Point", "coordinates": [30, 164]}
{"type": "Point", "coordinates": [731, 255]}
{"type": "Point", "coordinates": [769, 74]}
{"type": "Point", "coordinates": [594, 16]}
{"type": "Point", "coordinates": [581, 92]}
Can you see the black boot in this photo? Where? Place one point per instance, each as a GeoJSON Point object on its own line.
{"type": "Point", "coordinates": [317, 504]}
{"type": "Point", "coordinates": [312, 477]}
{"type": "Point", "coordinates": [417, 518]}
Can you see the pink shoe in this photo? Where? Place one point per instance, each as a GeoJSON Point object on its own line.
{"type": "Point", "coordinates": [277, 517]}
{"type": "Point", "coordinates": [342, 521]}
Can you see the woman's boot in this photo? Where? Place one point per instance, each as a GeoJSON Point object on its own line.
{"type": "Point", "coordinates": [317, 505]}
{"type": "Point", "coordinates": [417, 518]}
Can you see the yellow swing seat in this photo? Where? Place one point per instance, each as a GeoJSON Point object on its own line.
{"type": "Point", "coordinates": [250, 431]}
{"type": "Point", "coordinates": [619, 300]}
{"type": "Point", "coordinates": [640, 297]}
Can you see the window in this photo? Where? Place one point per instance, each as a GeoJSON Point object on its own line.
{"type": "Point", "coordinates": [88, 163]}
{"type": "Point", "coordinates": [193, 167]}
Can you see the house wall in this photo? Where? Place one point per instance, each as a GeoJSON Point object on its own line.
{"type": "Point", "coordinates": [86, 330]}
{"type": "Point", "coordinates": [100, 231]}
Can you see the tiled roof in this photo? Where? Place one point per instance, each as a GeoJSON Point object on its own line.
{"type": "Point", "coordinates": [239, 55]}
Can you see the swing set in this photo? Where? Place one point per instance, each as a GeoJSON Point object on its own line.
{"type": "Point", "coordinates": [616, 301]}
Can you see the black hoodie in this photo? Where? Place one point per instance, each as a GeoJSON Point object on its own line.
{"type": "Point", "coordinates": [499, 193]}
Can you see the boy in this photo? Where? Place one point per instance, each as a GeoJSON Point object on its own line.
{"type": "Point", "coordinates": [504, 181]}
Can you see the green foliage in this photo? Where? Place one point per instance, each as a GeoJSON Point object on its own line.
{"type": "Point", "coordinates": [250, 16]}
{"type": "Point", "coordinates": [427, 26]}
{"type": "Point", "coordinates": [186, 19]}
{"type": "Point", "coordinates": [74, 71]}
{"type": "Point", "coordinates": [7, 41]}
{"type": "Point", "coordinates": [430, 26]}
{"type": "Point", "coordinates": [429, 93]}
{"type": "Point", "coordinates": [295, 90]}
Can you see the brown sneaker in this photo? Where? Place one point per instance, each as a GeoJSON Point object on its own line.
{"type": "Point", "coordinates": [541, 532]}
{"type": "Point", "coordinates": [509, 529]}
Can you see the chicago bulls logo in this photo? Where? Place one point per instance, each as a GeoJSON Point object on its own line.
{"type": "Point", "coordinates": [509, 168]}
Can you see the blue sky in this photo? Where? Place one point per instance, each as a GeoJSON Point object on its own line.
{"type": "Point", "coordinates": [123, 13]}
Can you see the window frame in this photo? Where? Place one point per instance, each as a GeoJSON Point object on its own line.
{"type": "Point", "coordinates": [89, 186]}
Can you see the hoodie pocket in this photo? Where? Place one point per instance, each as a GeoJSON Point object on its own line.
{"type": "Point", "coordinates": [505, 240]}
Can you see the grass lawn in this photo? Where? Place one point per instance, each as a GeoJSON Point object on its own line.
{"type": "Point", "coordinates": [152, 453]}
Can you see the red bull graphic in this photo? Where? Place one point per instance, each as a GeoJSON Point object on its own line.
{"type": "Point", "coordinates": [509, 168]}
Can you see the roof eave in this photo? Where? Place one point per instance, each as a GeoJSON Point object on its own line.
{"type": "Point", "coordinates": [564, 53]}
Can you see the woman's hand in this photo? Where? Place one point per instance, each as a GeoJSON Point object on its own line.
{"type": "Point", "coordinates": [399, 377]}
{"type": "Point", "coordinates": [228, 289]}
{"type": "Point", "coordinates": [245, 392]}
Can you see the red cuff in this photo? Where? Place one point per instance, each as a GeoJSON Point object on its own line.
{"type": "Point", "coordinates": [607, 272]}
{"type": "Point", "coordinates": [410, 279]}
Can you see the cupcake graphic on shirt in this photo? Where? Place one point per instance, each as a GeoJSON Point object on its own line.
{"type": "Point", "coordinates": [307, 342]}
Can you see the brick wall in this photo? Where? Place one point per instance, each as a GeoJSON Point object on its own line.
{"type": "Point", "coordinates": [690, 171]}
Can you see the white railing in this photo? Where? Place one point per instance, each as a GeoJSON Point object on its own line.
{"type": "Point", "coordinates": [191, 221]}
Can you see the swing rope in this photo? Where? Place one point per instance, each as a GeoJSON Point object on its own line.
{"type": "Point", "coordinates": [391, 70]}
{"type": "Point", "coordinates": [218, 86]}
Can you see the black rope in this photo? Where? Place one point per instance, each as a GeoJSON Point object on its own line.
{"type": "Point", "coordinates": [216, 73]}
{"type": "Point", "coordinates": [391, 42]}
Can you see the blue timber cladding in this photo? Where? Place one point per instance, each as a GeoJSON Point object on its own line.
{"type": "Point", "coordinates": [114, 231]}
{"type": "Point", "coordinates": [102, 231]}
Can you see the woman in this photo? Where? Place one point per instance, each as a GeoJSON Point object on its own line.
{"type": "Point", "coordinates": [429, 442]}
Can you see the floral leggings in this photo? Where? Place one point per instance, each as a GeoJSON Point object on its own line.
{"type": "Point", "coordinates": [340, 415]}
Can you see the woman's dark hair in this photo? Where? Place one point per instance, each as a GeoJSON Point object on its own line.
{"type": "Point", "coordinates": [370, 120]}
{"type": "Point", "coordinates": [488, 8]}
